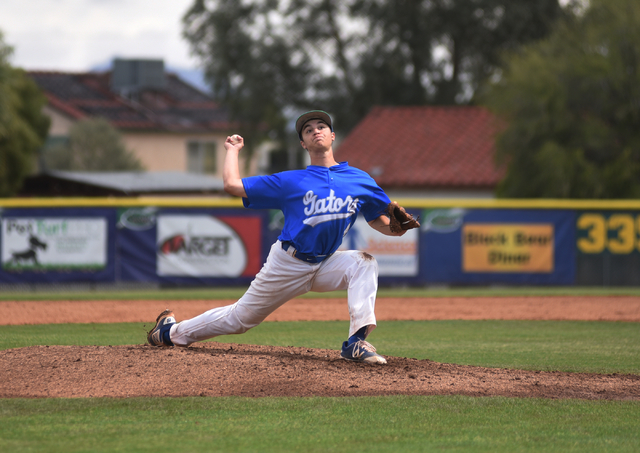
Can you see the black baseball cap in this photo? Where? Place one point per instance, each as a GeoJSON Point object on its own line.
{"type": "Point", "coordinates": [312, 115]}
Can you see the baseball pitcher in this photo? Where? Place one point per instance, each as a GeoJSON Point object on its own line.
{"type": "Point", "coordinates": [320, 205]}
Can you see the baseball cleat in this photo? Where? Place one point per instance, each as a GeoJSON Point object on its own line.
{"type": "Point", "coordinates": [361, 351]}
{"type": "Point", "coordinates": [163, 323]}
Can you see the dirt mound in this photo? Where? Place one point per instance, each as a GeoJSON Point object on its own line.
{"type": "Point", "coordinates": [216, 369]}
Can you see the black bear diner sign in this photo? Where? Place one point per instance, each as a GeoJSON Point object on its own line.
{"type": "Point", "coordinates": [498, 247]}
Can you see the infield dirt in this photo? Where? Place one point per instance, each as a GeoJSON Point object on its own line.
{"type": "Point", "coordinates": [216, 369]}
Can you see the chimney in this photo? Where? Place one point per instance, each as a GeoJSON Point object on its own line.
{"type": "Point", "coordinates": [130, 76]}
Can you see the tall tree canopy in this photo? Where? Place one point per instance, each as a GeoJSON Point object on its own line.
{"type": "Point", "coordinates": [571, 106]}
{"type": "Point", "coordinates": [93, 145]}
{"type": "Point", "coordinates": [23, 126]}
{"type": "Point", "coordinates": [270, 59]}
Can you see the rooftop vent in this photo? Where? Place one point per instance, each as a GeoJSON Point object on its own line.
{"type": "Point", "coordinates": [132, 76]}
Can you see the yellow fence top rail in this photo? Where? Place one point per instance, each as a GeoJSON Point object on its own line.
{"type": "Point", "coordinates": [417, 203]}
{"type": "Point", "coordinates": [512, 203]}
{"type": "Point", "coordinates": [117, 202]}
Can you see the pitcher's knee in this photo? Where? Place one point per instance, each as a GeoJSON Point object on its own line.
{"type": "Point", "coordinates": [367, 260]}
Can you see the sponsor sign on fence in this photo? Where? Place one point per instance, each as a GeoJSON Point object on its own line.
{"type": "Point", "coordinates": [396, 256]}
{"type": "Point", "coordinates": [507, 248]}
{"type": "Point", "coordinates": [54, 244]}
{"type": "Point", "coordinates": [199, 246]}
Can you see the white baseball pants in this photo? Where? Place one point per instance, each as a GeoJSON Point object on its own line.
{"type": "Point", "coordinates": [283, 278]}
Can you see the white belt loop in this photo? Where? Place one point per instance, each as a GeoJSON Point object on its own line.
{"type": "Point", "coordinates": [291, 251]}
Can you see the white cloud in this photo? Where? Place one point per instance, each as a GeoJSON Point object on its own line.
{"type": "Point", "coordinates": [75, 35]}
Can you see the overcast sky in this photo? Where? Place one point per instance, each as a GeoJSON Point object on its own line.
{"type": "Point", "coordinates": [77, 35]}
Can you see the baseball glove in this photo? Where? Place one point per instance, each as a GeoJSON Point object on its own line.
{"type": "Point", "coordinates": [399, 219]}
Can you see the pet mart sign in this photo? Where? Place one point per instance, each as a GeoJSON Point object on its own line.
{"type": "Point", "coordinates": [54, 244]}
{"type": "Point", "coordinates": [507, 247]}
{"type": "Point", "coordinates": [199, 246]}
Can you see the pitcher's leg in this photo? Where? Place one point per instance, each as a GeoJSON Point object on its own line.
{"type": "Point", "coordinates": [212, 323]}
{"type": "Point", "coordinates": [357, 272]}
{"type": "Point", "coordinates": [281, 279]}
{"type": "Point", "coordinates": [362, 292]}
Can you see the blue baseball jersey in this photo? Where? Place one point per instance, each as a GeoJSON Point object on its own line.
{"type": "Point", "coordinates": [319, 204]}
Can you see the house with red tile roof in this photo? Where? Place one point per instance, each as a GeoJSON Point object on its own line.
{"type": "Point", "coordinates": [167, 123]}
{"type": "Point", "coordinates": [426, 151]}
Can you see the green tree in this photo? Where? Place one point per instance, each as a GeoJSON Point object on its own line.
{"type": "Point", "coordinates": [93, 145]}
{"type": "Point", "coordinates": [249, 63]}
{"type": "Point", "coordinates": [571, 108]}
{"type": "Point", "coordinates": [23, 126]}
{"type": "Point", "coordinates": [269, 60]}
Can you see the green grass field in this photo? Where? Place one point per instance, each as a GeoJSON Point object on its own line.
{"type": "Point", "coordinates": [393, 424]}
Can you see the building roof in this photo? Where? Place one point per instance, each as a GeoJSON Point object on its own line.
{"type": "Point", "coordinates": [176, 107]}
{"type": "Point", "coordinates": [123, 183]}
{"type": "Point", "coordinates": [425, 147]}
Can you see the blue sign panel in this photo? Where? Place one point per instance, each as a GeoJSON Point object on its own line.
{"type": "Point", "coordinates": [490, 246]}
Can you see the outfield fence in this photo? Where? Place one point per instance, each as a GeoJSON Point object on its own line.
{"type": "Point", "coordinates": [205, 242]}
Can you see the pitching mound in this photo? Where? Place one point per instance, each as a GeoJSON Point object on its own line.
{"type": "Point", "coordinates": [215, 369]}
{"type": "Point", "coordinates": [212, 369]}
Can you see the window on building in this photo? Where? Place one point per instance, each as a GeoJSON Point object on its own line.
{"type": "Point", "coordinates": [201, 157]}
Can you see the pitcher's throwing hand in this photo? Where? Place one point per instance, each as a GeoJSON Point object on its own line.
{"type": "Point", "coordinates": [234, 140]}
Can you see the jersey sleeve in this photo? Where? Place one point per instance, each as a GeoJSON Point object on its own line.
{"type": "Point", "coordinates": [263, 192]}
{"type": "Point", "coordinates": [376, 204]}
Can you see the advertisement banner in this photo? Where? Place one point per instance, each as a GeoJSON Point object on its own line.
{"type": "Point", "coordinates": [486, 246]}
{"type": "Point", "coordinates": [54, 244]}
{"type": "Point", "coordinates": [179, 245]}
{"type": "Point", "coordinates": [396, 256]}
{"type": "Point", "coordinates": [137, 219]}
{"type": "Point", "coordinates": [507, 247]}
{"type": "Point", "coordinates": [202, 245]}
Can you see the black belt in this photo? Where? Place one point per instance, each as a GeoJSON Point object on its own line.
{"type": "Point", "coordinates": [313, 259]}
